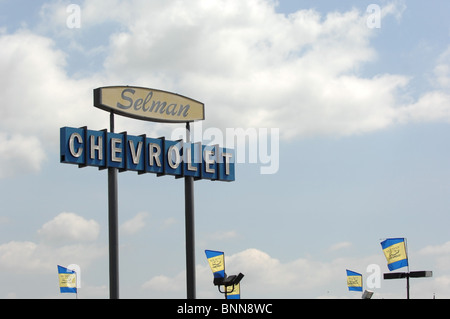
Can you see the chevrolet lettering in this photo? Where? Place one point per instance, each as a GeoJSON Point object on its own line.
{"type": "Point", "coordinates": [143, 154]}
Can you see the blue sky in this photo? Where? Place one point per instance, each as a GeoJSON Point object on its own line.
{"type": "Point", "coordinates": [362, 115]}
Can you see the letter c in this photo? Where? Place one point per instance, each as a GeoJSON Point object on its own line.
{"type": "Point", "coordinates": [267, 308]}
{"type": "Point", "coordinates": [72, 145]}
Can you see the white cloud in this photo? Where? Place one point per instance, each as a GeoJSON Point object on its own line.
{"type": "Point", "coordinates": [223, 235]}
{"type": "Point", "coordinates": [432, 106]}
{"type": "Point", "coordinates": [163, 283]}
{"type": "Point", "coordinates": [37, 99]}
{"type": "Point", "coordinates": [442, 70]}
{"type": "Point", "coordinates": [255, 265]}
{"type": "Point", "coordinates": [34, 264]}
{"type": "Point", "coordinates": [135, 224]}
{"type": "Point", "coordinates": [307, 277]}
{"type": "Point", "coordinates": [251, 67]}
{"type": "Point", "coordinates": [39, 258]}
{"type": "Point", "coordinates": [255, 68]}
{"type": "Point", "coordinates": [443, 249]}
{"type": "Point", "coordinates": [66, 239]}
{"type": "Point", "coordinates": [395, 8]}
{"type": "Point", "coordinates": [20, 154]}
{"type": "Point", "coordinates": [258, 68]}
{"type": "Point", "coordinates": [439, 254]}
{"type": "Point", "coordinates": [35, 90]}
{"type": "Point", "coordinates": [19, 255]}
{"type": "Point", "coordinates": [298, 275]}
{"type": "Point", "coordinates": [169, 222]}
{"type": "Point", "coordinates": [69, 227]}
{"type": "Point", "coordinates": [265, 276]}
{"type": "Point", "coordinates": [339, 246]}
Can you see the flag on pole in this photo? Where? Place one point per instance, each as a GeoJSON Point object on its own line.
{"type": "Point", "coordinates": [395, 251]}
{"type": "Point", "coordinates": [67, 280]}
{"type": "Point", "coordinates": [234, 292]}
{"type": "Point", "coordinates": [354, 281]}
{"type": "Point", "coordinates": [216, 260]}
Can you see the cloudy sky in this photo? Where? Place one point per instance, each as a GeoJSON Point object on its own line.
{"type": "Point", "coordinates": [356, 94]}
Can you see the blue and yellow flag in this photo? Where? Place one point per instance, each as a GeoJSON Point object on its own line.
{"type": "Point", "coordinates": [216, 260]}
{"type": "Point", "coordinates": [67, 280]}
{"type": "Point", "coordinates": [395, 251]}
{"type": "Point", "coordinates": [354, 281]}
{"type": "Point", "coordinates": [234, 292]}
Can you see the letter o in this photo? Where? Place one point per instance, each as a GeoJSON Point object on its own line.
{"type": "Point", "coordinates": [173, 153]}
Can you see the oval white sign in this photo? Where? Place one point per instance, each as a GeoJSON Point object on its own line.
{"type": "Point", "coordinates": [148, 104]}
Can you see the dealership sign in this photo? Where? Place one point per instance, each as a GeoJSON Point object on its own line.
{"type": "Point", "coordinates": [148, 104]}
{"type": "Point", "coordinates": [125, 152]}
{"type": "Point", "coordinates": [119, 152]}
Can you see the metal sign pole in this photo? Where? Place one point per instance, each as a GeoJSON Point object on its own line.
{"type": "Point", "coordinates": [407, 275]}
{"type": "Point", "coordinates": [113, 228]}
{"type": "Point", "coordinates": [190, 229]}
{"type": "Point", "coordinates": [180, 109]}
{"type": "Point", "coordinates": [407, 285]}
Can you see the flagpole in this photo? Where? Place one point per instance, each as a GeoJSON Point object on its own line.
{"type": "Point", "coordinates": [406, 251]}
{"type": "Point", "coordinates": [407, 267]}
{"type": "Point", "coordinates": [76, 285]}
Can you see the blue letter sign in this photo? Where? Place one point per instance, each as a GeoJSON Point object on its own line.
{"type": "Point", "coordinates": [103, 149]}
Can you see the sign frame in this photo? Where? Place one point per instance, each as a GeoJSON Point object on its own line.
{"type": "Point", "coordinates": [85, 147]}
{"type": "Point", "coordinates": [148, 104]}
{"type": "Point", "coordinates": [108, 150]}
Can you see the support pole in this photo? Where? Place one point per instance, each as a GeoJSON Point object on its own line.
{"type": "Point", "coordinates": [408, 272]}
{"type": "Point", "coordinates": [407, 285]}
{"type": "Point", "coordinates": [190, 229]}
{"type": "Point", "coordinates": [407, 275]}
{"type": "Point", "coordinates": [113, 227]}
